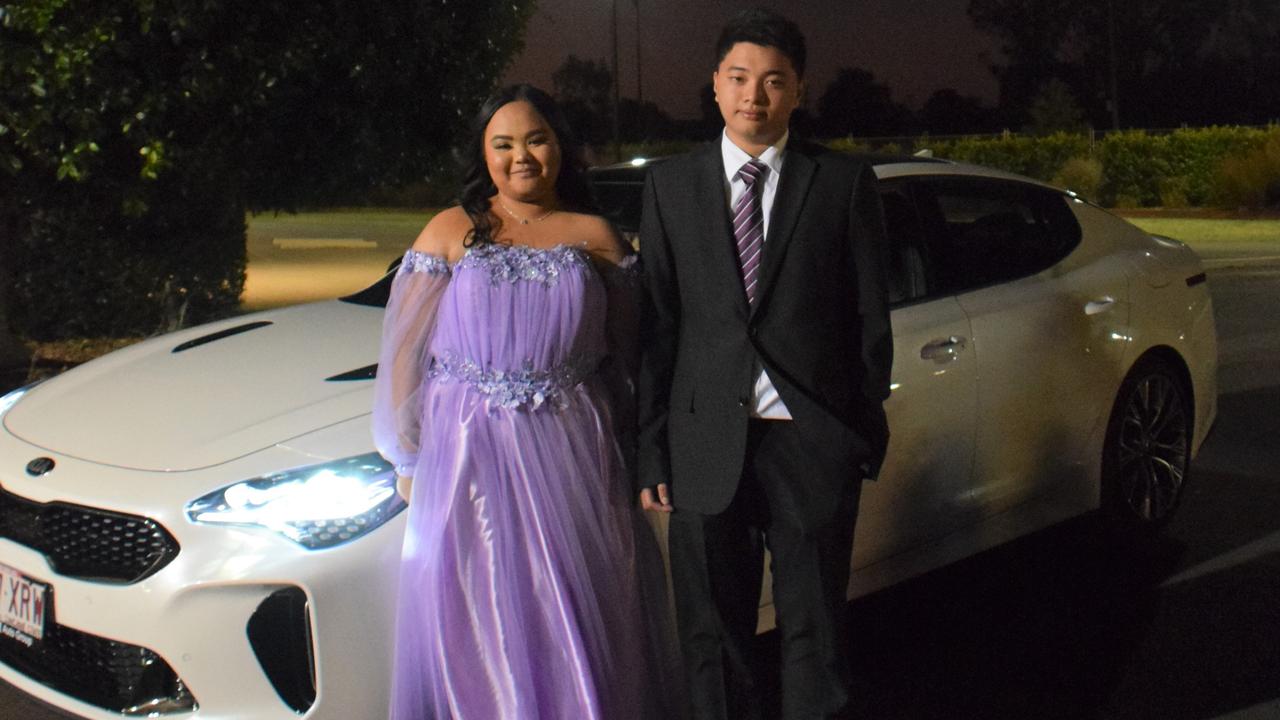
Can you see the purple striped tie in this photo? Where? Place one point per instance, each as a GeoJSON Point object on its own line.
{"type": "Point", "coordinates": [748, 225]}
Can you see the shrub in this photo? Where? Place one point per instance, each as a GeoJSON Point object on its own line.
{"type": "Point", "coordinates": [1132, 164]}
{"type": "Point", "coordinates": [85, 269]}
{"type": "Point", "coordinates": [1040, 158]}
{"type": "Point", "coordinates": [1132, 168]}
{"type": "Point", "coordinates": [1251, 179]}
{"type": "Point", "coordinates": [849, 145]}
{"type": "Point", "coordinates": [1194, 154]}
{"type": "Point", "coordinates": [1173, 192]}
{"type": "Point", "coordinates": [1082, 175]}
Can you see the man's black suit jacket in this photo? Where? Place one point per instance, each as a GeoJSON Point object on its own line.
{"type": "Point", "coordinates": [820, 326]}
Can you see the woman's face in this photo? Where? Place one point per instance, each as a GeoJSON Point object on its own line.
{"type": "Point", "coordinates": [522, 153]}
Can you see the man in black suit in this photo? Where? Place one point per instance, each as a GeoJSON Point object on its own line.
{"type": "Point", "coordinates": [766, 360]}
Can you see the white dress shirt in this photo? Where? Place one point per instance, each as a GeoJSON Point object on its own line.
{"type": "Point", "coordinates": [764, 402]}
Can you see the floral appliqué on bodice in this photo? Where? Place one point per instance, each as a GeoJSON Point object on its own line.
{"type": "Point", "coordinates": [525, 386]}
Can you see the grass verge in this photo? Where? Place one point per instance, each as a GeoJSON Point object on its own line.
{"type": "Point", "coordinates": [1206, 231]}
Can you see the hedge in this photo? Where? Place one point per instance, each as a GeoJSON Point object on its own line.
{"type": "Point", "coordinates": [85, 269]}
{"type": "Point", "coordinates": [1222, 166]}
{"type": "Point", "coordinates": [1139, 168]}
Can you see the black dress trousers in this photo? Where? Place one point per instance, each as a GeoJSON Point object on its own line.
{"type": "Point", "coordinates": [717, 567]}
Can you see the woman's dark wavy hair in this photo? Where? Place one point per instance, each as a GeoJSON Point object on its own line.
{"type": "Point", "coordinates": [572, 190]}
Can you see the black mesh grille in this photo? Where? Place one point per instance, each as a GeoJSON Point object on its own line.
{"type": "Point", "coordinates": [88, 543]}
{"type": "Point", "coordinates": [112, 675]}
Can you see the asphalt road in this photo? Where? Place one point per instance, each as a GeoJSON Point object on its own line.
{"type": "Point", "coordinates": [1061, 625]}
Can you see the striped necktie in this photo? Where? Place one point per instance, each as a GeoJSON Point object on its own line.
{"type": "Point", "coordinates": [748, 225]}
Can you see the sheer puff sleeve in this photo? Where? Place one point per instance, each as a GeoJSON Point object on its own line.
{"type": "Point", "coordinates": [406, 335]}
{"type": "Point", "coordinates": [623, 284]}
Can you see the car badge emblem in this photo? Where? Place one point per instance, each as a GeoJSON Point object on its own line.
{"type": "Point", "coordinates": [40, 466]}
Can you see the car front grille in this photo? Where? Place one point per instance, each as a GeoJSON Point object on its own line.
{"type": "Point", "coordinates": [88, 543]}
{"type": "Point", "coordinates": [123, 678]}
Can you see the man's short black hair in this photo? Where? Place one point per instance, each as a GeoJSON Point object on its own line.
{"type": "Point", "coordinates": [760, 26]}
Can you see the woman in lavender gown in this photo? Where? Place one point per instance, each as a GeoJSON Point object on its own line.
{"type": "Point", "coordinates": [530, 584]}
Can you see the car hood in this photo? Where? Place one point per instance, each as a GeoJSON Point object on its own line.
{"type": "Point", "coordinates": [210, 394]}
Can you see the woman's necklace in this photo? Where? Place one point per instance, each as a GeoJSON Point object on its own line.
{"type": "Point", "coordinates": [525, 221]}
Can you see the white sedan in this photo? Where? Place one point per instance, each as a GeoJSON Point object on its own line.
{"type": "Point", "coordinates": [197, 526]}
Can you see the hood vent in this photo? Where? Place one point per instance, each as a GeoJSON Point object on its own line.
{"type": "Point", "coordinates": [368, 372]}
{"type": "Point", "coordinates": [206, 339]}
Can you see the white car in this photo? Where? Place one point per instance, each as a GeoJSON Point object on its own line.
{"type": "Point", "coordinates": [196, 526]}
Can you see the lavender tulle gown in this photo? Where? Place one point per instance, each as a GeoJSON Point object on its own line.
{"type": "Point", "coordinates": [530, 585]}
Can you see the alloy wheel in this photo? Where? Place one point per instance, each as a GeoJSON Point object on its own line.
{"type": "Point", "coordinates": [1151, 446]}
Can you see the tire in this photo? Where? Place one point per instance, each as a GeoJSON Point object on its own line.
{"type": "Point", "coordinates": [1147, 452]}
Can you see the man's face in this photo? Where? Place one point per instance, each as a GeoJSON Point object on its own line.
{"type": "Point", "coordinates": [757, 89]}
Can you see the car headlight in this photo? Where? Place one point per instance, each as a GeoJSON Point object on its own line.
{"type": "Point", "coordinates": [317, 506]}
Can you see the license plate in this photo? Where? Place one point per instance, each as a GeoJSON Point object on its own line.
{"type": "Point", "coordinates": [22, 606]}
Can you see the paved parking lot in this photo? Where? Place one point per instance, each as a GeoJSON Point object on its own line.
{"type": "Point", "coordinates": [317, 256]}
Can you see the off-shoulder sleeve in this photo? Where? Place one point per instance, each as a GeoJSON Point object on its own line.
{"type": "Point", "coordinates": [406, 334]}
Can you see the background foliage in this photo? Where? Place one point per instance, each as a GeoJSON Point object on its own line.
{"type": "Point", "coordinates": [135, 134]}
{"type": "Point", "coordinates": [1230, 167]}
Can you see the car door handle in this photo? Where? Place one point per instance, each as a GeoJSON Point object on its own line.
{"type": "Point", "coordinates": [1102, 304]}
{"type": "Point", "coordinates": [945, 350]}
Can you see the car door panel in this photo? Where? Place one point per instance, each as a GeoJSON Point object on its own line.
{"type": "Point", "coordinates": [931, 412]}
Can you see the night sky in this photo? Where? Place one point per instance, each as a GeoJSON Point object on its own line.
{"type": "Point", "coordinates": [914, 46]}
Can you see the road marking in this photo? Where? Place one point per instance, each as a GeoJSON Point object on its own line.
{"type": "Point", "coordinates": [324, 243]}
{"type": "Point", "coordinates": [1245, 553]}
{"type": "Point", "coordinates": [1262, 711]}
{"type": "Point", "coordinates": [1224, 262]}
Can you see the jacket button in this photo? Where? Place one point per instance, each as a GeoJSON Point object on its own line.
{"type": "Point", "coordinates": [742, 401]}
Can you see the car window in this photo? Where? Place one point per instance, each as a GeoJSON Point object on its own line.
{"type": "Point", "coordinates": [620, 201]}
{"type": "Point", "coordinates": [980, 231]}
{"type": "Point", "coordinates": [905, 267]}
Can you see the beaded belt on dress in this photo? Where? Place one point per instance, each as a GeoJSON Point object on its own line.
{"type": "Point", "coordinates": [527, 387]}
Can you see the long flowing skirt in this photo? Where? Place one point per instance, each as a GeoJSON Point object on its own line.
{"type": "Point", "coordinates": [531, 586]}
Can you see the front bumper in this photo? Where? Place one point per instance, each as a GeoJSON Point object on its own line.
{"type": "Point", "coordinates": [240, 623]}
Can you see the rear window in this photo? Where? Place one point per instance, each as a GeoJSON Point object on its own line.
{"type": "Point", "coordinates": [981, 231]}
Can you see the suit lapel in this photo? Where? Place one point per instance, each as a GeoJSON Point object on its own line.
{"type": "Point", "coordinates": [713, 210]}
{"type": "Point", "coordinates": [793, 188]}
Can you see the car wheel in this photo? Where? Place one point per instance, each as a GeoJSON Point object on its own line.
{"type": "Point", "coordinates": [1147, 451]}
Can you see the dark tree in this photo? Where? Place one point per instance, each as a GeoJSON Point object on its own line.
{"type": "Point", "coordinates": [1034, 36]}
{"type": "Point", "coordinates": [856, 104]}
{"type": "Point", "coordinates": [134, 135]}
{"type": "Point", "coordinates": [584, 89]}
{"type": "Point", "coordinates": [947, 112]}
{"type": "Point", "coordinates": [641, 122]}
{"type": "Point", "coordinates": [1055, 109]}
{"type": "Point", "coordinates": [1163, 63]}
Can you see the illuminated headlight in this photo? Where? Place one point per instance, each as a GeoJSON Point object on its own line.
{"type": "Point", "coordinates": [317, 507]}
